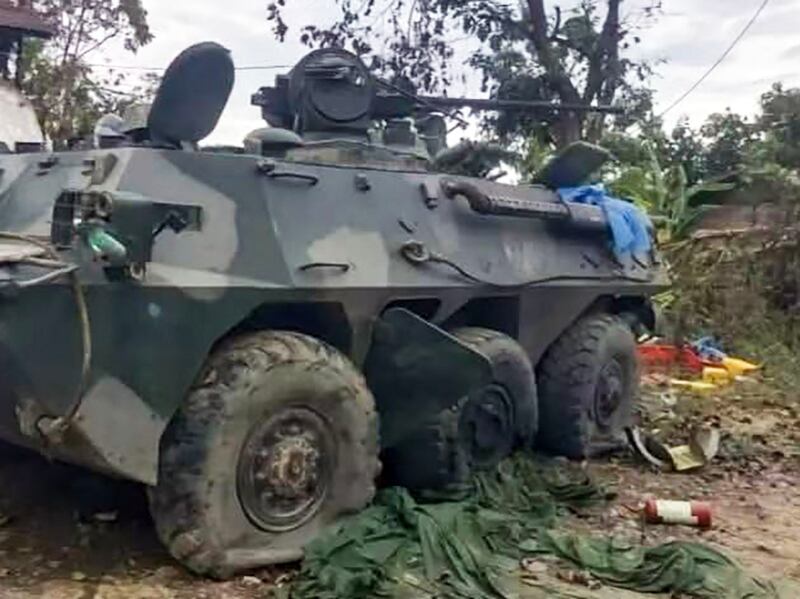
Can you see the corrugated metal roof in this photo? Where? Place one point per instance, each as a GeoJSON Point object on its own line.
{"type": "Point", "coordinates": [24, 20]}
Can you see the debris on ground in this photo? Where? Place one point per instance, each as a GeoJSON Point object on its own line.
{"type": "Point", "coordinates": [692, 513]}
{"type": "Point", "coordinates": [702, 358]}
{"type": "Point", "coordinates": [703, 445]}
{"type": "Point", "coordinates": [751, 484]}
{"type": "Point", "coordinates": [473, 548]}
{"type": "Point", "coordinates": [661, 363]}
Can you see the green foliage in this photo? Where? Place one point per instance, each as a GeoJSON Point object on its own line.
{"type": "Point", "coordinates": [523, 52]}
{"type": "Point", "coordinates": [474, 159]}
{"type": "Point", "coordinates": [68, 94]}
{"type": "Point", "coordinates": [781, 122]}
{"type": "Point", "coordinates": [534, 154]}
{"type": "Point", "coordinates": [664, 192]}
{"type": "Point", "coordinates": [675, 175]}
{"type": "Point", "coordinates": [727, 142]}
{"type": "Point", "coordinates": [729, 139]}
{"type": "Point", "coordinates": [683, 147]}
{"type": "Point", "coordinates": [744, 290]}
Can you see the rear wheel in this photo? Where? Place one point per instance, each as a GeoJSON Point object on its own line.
{"type": "Point", "coordinates": [588, 383]}
{"type": "Point", "coordinates": [276, 440]}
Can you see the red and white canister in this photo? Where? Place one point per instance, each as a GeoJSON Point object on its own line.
{"type": "Point", "coordinates": [693, 513]}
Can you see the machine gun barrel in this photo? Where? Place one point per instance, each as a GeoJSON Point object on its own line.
{"type": "Point", "coordinates": [518, 105]}
{"type": "Point", "coordinates": [316, 97]}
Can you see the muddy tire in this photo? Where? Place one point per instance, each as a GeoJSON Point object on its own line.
{"type": "Point", "coordinates": [430, 461]}
{"type": "Point", "coordinates": [480, 430]}
{"type": "Point", "coordinates": [514, 374]}
{"type": "Point", "coordinates": [278, 437]}
{"type": "Point", "coordinates": [588, 384]}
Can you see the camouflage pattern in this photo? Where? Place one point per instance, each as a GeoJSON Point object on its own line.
{"type": "Point", "coordinates": [310, 243]}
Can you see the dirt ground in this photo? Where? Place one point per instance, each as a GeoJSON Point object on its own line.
{"type": "Point", "coordinates": [66, 535]}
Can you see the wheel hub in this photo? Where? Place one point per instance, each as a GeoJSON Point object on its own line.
{"type": "Point", "coordinates": [291, 467]}
{"type": "Point", "coordinates": [284, 469]}
{"type": "Point", "coordinates": [608, 395]}
{"type": "Point", "coordinates": [486, 426]}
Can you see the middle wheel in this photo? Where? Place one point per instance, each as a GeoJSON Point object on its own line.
{"type": "Point", "coordinates": [510, 402]}
{"type": "Point", "coordinates": [480, 430]}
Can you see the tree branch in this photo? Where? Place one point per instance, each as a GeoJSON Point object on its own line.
{"type": "Point", "coordinates": [564, 42]}
{"type": "Point", "coordinates": [99, 43]}
{"type": "Point", "coordinates": [603, 87]}
{"type": "Point", "coordinates": [559, 80]}
{"type": "Point", "coordinates": [557, 26]}
{"type": "Point", "coordinates": [411, 18]}
{"type": "Point", "coordinates": [604, 62]}
{"type": "Point", "coordinates": [568, 128]}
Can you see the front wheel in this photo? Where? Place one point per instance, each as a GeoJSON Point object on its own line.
{"type": "Point", "coordinates": [276, 440]}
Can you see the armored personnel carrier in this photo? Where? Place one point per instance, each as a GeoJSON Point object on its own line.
{"type": "Point", "coordinates": [252, 333]}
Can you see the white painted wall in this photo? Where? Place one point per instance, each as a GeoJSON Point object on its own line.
{"type": "Point", "coordinates": [17, 119]}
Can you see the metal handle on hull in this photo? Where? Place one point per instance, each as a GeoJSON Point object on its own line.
{"type": "Point", "coordinates": [330, 265]}
{"type": "Point", "coordinates": [310, 179]}
{"type": "Point", "coordinates": [581, 216]}
{"type": "Point", "coordinates": [268, 167]}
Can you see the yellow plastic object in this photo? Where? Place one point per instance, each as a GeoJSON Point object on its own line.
{"type": "Point", "coordinates": [683, 458]}
{"type": "Point", "coordinates": [698, 387]}
{"type": "Point", "coordinates": [737, 367]}
{"type": "Point", "coordinates": [717, 376]}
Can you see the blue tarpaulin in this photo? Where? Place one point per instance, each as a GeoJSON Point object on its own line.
{"type": "Point", "coordinates": [708, 349]}
{"type": "Point", "coordinates": [628, 225]}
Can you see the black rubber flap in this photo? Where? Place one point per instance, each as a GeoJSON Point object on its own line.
{"type": "Point", "coordinates": [192, 95]}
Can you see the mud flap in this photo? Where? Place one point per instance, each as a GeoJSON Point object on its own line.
{"type": "Point", "coordinates": [113, 431]}
{"type": "Point", "coordinates": [416, 370]}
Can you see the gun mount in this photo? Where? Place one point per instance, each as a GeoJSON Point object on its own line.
{"type": "Point", "coordinates": [332, 94]}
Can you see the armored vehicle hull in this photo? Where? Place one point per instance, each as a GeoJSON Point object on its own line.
{"type": "Point", "coordinates": [232, 330]}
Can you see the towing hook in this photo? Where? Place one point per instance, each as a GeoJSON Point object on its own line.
{"type": "Point", "coordinates": [35, 423]}
{"type": "Point", "coordinates": [415, 252]}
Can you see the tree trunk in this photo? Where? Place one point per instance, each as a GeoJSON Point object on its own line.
{"type": "Point", "coordinates": [569, 125]}
{"type": "Point", "coordinates": [568, 129]}
{"type": "Point", "coordinates": [603, 78]}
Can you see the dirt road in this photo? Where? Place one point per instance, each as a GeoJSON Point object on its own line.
{"type": "Point", "coordinates": [51, 546]}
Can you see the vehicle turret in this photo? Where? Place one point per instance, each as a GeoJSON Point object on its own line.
{"type": "Point", "coordinates": [331, 96]}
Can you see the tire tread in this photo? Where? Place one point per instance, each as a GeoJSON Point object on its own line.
{"type": "Point", "coordinates": [176, 502]}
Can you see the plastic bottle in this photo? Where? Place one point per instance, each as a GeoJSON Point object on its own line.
{"type": "Point", "coordinates": [693, 513]}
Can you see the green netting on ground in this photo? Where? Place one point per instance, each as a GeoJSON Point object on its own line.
{"type": "Point", "coordinates": [676, 567]}
{"type": "Point", "coordinates": [472, 548]}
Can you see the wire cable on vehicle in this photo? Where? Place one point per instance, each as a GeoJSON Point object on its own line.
{"type": "Point", "coordinates": [53, 426]}
{"type": "Point", "coordinates": [417, 253]}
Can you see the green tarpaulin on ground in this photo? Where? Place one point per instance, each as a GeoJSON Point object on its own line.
{"type": "Point", "coordinates": [472, 548]}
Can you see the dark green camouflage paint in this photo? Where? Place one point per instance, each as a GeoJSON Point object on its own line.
{"type": "Point", "coordinates": [249, 266]}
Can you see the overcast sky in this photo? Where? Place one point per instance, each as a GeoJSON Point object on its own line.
{"type": "Point", "coordinates": [689, 36]}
